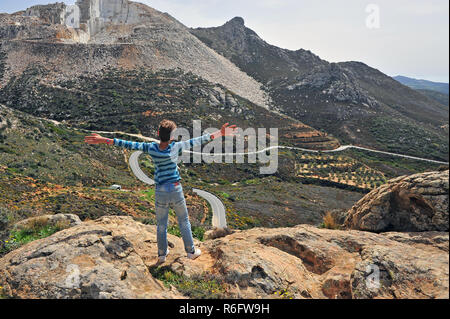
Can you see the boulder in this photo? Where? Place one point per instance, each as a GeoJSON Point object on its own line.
{"type": "Point", "coordinates": [95, 260]}
{"type": "Point", "coordinates": [414, 203]}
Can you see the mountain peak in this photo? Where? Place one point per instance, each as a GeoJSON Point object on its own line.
{"type": "Point", "coordinates": [238, 21]}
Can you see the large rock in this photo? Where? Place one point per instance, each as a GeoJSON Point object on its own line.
{"type": "Point", "coordinates": [320, 263]}
{"type": "Point", "coordinates": [111, 258]}
{"type": "Point", "coordinates": [407, 204]}
{"type": "Point", "coordinates": [101, 259]}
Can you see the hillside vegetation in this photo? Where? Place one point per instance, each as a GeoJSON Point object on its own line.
{"type": "Point", "coordinates": [437, 96]}
{"type": "Point", "coordinates": [423, 84]}
{"type": "Point", "coordinates": [47, 168]}
{"type": "Point", "coordinates": [136, 102]}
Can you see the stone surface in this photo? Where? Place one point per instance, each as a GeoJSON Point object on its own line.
{"type": "Point", "coordinates": [217, 233]}
{"type": "Point", "coordinates": [101, 259]}
{"type": "Point", "coordinates": [408, 204]}
{"type": "Point", "coordinates": [50, 13]}
{"type": "Point", "coordinates": [113, 255]}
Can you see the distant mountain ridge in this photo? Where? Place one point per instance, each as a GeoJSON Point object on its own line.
{"type": "Point", "coordinates": [423, 84]}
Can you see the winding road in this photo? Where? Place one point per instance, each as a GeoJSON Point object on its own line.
{"type": "Point", "coordinates": [219, 214]}
{"type": "Point", "coordinates": [339, 149]}
{"type": "Point", "coordinates": [137, 171]}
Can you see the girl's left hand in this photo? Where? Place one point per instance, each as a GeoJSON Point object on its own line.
{"type": "Point", "coordinates": [95, 139]}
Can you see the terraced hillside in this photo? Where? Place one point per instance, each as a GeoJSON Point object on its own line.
{"type": "Point", "coordinates": [305, 188]}
{"type": "Point", "coordinates": [339, 169]}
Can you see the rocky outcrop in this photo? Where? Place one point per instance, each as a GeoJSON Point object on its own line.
{"type": "Point", "coordinates": [408, 204]}
{"type": "Point", "coordinates": [102, 259]}
{"type": "Point", "coordinates": [63, 220]}
{"type": "Point", "coordinates": [336, 83]}
{"type": "Point", "coordinates": [217, 233]}
{"type": "Point", "coordinates": [111, 258]}
{"type": "Point", "coordinates": [50, 13]}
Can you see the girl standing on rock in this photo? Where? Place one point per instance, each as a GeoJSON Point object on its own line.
{"type": "Point", "coordinates": [169, 192]}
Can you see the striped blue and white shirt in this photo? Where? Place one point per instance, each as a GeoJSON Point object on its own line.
{"type": "Point", "coordinates": [166, 168]}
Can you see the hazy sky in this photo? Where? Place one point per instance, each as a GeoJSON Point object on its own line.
{"type": "Point", "coordinates": [412, 38]}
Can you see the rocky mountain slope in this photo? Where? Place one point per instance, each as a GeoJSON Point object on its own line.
{"type": "Point", "coordinates": [130, 67]}
{"type": "Point", "coordinates": [437, 96]}
{"type": "Point", "coordinates": [121, 34]}
{"type": "Point", "coordinates": [136, 102]}
{"type": "Point", "coordinates": [350, 100]}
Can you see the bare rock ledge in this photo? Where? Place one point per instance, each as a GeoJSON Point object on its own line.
{"type": "Point", "coordinates": [111, 258]}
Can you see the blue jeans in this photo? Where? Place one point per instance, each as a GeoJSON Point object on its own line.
{"type": "Point", "coordinates": [171, 196]}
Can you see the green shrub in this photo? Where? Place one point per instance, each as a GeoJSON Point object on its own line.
{"type": "Point", "coordinates": [174, 230]}
{"type": "Point", "coordinates": [200, 287]}
{"type": "Point", "coordinates": [2, 293]}
{"type": "Point", "coordinates": [197, 231]}
{"type": "Point", "coordinates": [37, 229]}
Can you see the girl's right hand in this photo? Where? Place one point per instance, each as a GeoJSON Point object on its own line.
{"type": "Point", "coordinates": [225, 131]}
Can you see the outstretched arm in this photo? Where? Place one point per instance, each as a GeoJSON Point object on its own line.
{"type": "Point", "coordinates": [96, 139]}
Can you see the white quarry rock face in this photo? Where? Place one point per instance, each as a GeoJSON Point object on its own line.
{"type": "Point", "coordinates": [100, 13]}
{"type": "Point", "coordinates": [72, 16]}
{"type": "Point", "coordinates": [115, 11]}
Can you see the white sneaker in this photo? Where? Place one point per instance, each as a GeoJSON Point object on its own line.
{"type": "Point", "coordinates": [162, 259]}
{"type": "Point", "coordinates": [195, 255]}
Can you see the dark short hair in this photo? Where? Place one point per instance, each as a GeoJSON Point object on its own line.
{"type": "Point", "coordinates": [166, 128]}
